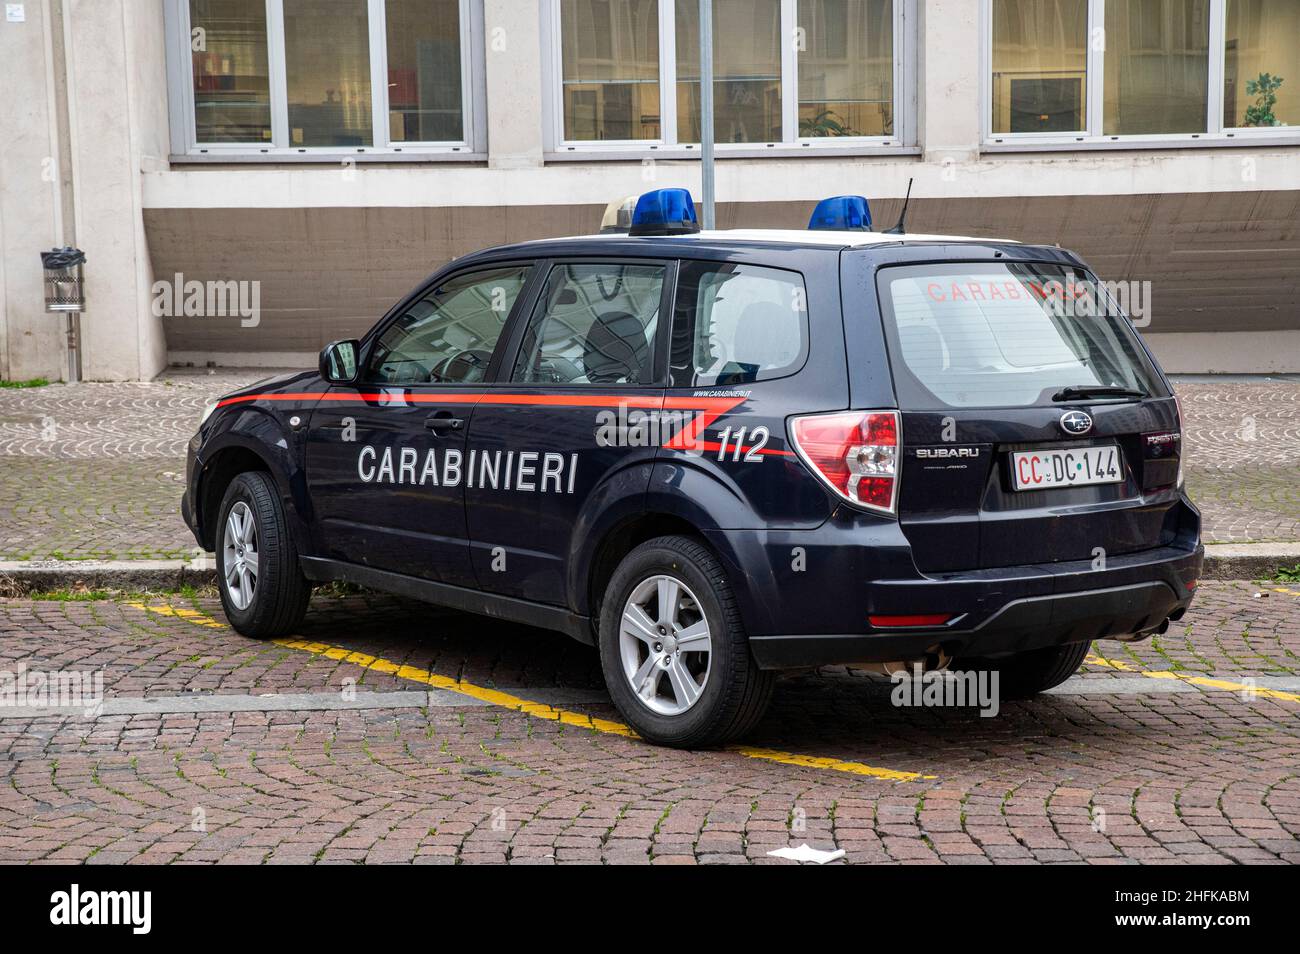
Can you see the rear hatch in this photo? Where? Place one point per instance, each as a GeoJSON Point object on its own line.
{"type": "Point", "coordinates": [1035, 428]}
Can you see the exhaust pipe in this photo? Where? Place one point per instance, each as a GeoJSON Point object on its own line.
{"type": "Point", "coordinates": [1145, 634]}
{"type": "Point", "coordinates": [936, 659]}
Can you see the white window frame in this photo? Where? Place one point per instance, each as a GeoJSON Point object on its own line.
{"type": "Point", "coordinates": [186, 148]}
{"type": "Point", "coordinates": [1093, 137]}
{"type": "Point", "coordinates": [905, 97]}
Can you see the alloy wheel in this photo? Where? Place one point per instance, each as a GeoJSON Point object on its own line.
{"type": "Point", "coordinates": [240, 555]}
{"type": "Point", "coordinates": [665, 645]}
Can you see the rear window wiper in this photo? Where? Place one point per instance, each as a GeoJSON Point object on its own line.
{"type": "Point", "coordinates": [1095, 390]}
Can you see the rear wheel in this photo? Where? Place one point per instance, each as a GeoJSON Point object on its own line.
{"type": "Point", "coordinates": [262, 587]}
{"type": "Point", "coordinates": [675, 656]}
{"type": "Point", "coordinates": [1026, 674]}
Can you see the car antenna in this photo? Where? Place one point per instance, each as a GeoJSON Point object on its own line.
{"type": "Point", "coordinates": [902, 216]}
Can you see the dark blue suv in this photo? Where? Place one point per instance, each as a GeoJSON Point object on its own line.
{"type": "Point", "coordinates": [715, 455]}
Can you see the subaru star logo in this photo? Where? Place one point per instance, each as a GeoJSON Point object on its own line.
{"type": "Point", "coordinates": [1076, 422]}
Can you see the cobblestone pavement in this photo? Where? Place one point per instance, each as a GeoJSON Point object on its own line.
{"type": "Point", "coordinates": [1117, 768]}
{"type": "Point", "coordinates": [1243, 458]}
{"type": "Point", "coordinates": [95, 471]}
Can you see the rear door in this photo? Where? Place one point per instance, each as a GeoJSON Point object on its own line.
{"type": "Point", "coordinates": [571, 421]}
{"type": "Point", "coordinates": [1035, 427]}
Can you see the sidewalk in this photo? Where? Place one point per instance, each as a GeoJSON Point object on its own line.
{"type": "Point", "coordinates": [95, 471]}
{"type": "Point", "coordinates": [1243, 458]}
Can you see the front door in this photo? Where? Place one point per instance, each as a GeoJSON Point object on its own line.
{"type": "Point", "coordinates": [386, 457]}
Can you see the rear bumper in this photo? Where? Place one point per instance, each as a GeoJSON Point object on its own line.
{"type": "Point", "coordinates": [998, 612]}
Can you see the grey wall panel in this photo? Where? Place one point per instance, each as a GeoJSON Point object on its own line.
{"type": "Point", "coordinates": [1219, 261]}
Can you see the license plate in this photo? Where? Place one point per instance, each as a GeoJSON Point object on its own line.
{"type": "Point", "coordinates": [1075, 467]}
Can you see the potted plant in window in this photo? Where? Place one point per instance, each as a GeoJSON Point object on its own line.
{"type": "Point", "coordinates": [1264, 88]}
{"type": "Point", "coordinates": [825, 123]}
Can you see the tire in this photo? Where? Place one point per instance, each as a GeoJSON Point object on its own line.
{"type": "Point", "coordinates": [275, 603]}
{"type": "Point", "coordinates": [732, 692]}
{"type": "Point", "coordinates": [1026, 674]}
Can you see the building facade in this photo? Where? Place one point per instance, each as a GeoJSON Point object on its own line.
{"type": "Point", "coordinates": [251, 179]}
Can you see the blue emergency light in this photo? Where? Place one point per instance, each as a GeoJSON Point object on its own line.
{"type": "Point", "coordinates": [664, 212]}
{"type": "Point", "coordinates": [842, 213]}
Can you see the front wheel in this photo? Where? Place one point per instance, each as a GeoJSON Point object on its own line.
{"type": "Point", "coordinates": [673, 650]}
{"type": "Point", "coordinates": [262, 587]}
{"type": "Point", "coordinates": [1026, 674]}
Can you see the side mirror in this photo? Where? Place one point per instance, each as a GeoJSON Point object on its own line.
{"type": "Point", "coordinates": [338, 361]}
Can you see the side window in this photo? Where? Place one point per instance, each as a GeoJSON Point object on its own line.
{"type": "Point", "coordinates": [736, 324]}
{"type": "Point", "coordinates": [594, 324]}
{"type": "Point", "coordinates": [448, 335]}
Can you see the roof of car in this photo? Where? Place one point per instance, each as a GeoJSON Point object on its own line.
{"type": "Point", "coordinates": [800, 238]}
{"type": "Point", "coordinates": [828, 237]}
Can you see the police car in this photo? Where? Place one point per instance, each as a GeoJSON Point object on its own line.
{"type": "Point", "coordinates": [717, 455]}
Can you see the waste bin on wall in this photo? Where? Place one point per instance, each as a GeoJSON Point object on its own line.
{"type": "Point", "coordinates": [65, 293]}
{"type": "Point", "coordinates": [64, 279]}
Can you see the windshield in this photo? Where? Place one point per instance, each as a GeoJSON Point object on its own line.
{"type": "Point", "coordinates": [1006, 335]}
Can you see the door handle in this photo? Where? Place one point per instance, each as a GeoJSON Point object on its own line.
{"type": "Point", "coordinates": [442, 421]}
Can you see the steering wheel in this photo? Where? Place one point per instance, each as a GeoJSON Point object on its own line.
{"type": "Point", "coordinates": [467, 367]}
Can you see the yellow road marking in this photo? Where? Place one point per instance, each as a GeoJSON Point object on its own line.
{"type": "Point", "coordinates": [835, 765]}
{"type": "Point", "coordinates": [1203, 681]}
{"type": "Point", "coordinates": [492, 696]}
{"type": "Point", "coordinates": [1283, 589]}
{"type": "Point", "coordinates": [539, 710]}
{"type": "Point", "coordinates": [189, 615]}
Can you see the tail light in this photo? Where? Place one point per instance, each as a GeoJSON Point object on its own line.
{"type": "Point", "coordinates": [1178, 403]}
{"type": "Point", "coordinates": [856, 453]}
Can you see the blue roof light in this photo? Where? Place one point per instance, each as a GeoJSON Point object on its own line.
{"type": "Point", "coordinates": [842, 213]}
{"type": "Point", "coordinates": [664, 212]}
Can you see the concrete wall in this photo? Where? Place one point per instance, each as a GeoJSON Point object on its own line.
{"type": "Point", "coordinates": [85, 112]}
{"type": "Point", "coordinates": [31, 342]}
{"type": "Point", "coordinates": [119, 127]}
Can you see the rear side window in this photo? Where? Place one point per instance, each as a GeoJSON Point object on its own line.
{"type": "Point", "coordinates": [736, 324]}
{"type": "Point", "coordinates": [594, 324]}
{"type": "Point", "coordinates": [1005, 335]}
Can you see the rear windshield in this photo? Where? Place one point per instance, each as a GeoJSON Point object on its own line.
{"type": "Point", "coordinates": [1005, 335]}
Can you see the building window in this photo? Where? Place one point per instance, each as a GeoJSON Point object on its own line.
{"type": "Point", "coordinates": [610, 56]}
{"type": "Point", "coordinates": [1261, 64]}
{"type": "Point", "coordinates": [327, 72]}
{"type": "Point", "coordinates": [846, 68]}
{"type": "Point", "coordinates": [1063, 72]}
{"type": "Point", "coordinates": [232, 90]}
{"type": "Point", "coordinates": [802, 73]}
{"type": "Point", "coordinates": [746, 71]}
{"type": "Point", "coordinates": [1157, 72]}
{"type": "Point", "coordinates": [304, 78]}
{"type": "Point", "coordinates": [1040, 66]}
{"type": "Point", "coordinates": [425, 83]}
